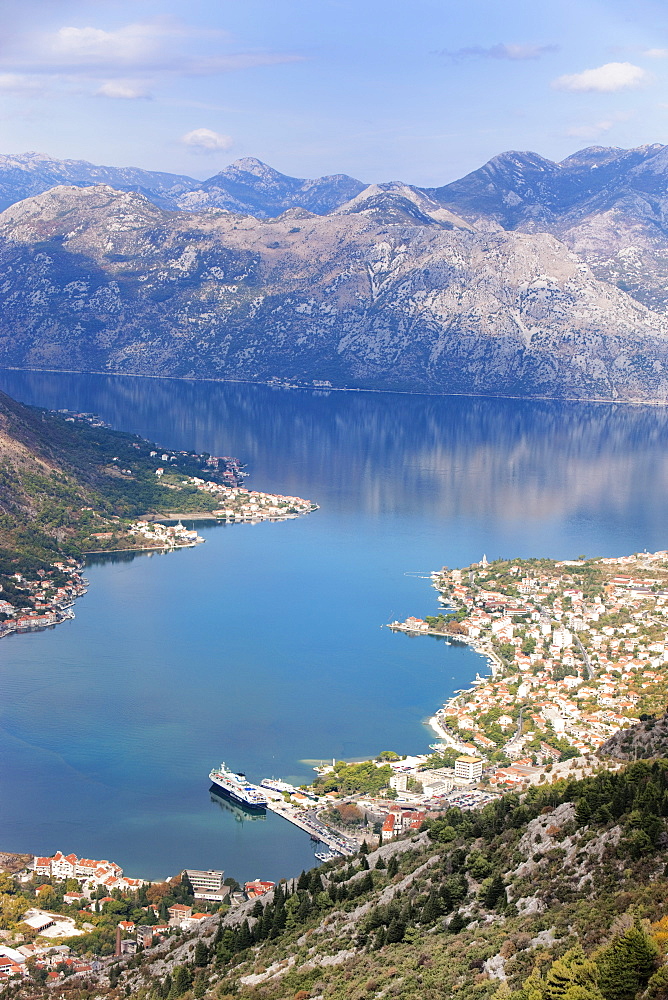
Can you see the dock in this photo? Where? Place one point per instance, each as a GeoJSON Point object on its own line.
{"type": "Point", "coordinates": [312, 825]}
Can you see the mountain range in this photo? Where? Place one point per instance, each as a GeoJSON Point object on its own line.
{"type": "Point", "coordinates": [526, 277]}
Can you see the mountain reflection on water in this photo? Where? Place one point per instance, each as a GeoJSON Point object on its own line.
{"type": "Point", "coordinates": [266, 645]}
{"type": "Point", "coordinates": [531, 458]}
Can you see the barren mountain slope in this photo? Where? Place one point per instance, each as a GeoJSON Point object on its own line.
{"type": "Point", "coordinates": [99, 280]}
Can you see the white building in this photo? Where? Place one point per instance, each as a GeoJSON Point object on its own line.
{"type": "Point", "coordinates": [468, 768]}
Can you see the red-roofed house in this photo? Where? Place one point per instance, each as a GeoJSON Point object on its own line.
{"type": "Point", "coordinates": [258, 888]}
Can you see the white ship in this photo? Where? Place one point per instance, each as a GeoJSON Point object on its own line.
{"type": "Point", "coordinates": [238, 787]}
{"type": "Point", "coordinates": [276, 785]}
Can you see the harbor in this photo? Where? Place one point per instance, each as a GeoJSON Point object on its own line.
{"type": "Point", "coordinates": [275, 795]}
{"type": "Point", "coordinates": [309, 822]}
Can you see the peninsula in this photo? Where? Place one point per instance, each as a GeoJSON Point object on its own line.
{"type": "Point", "coordinates": [70, 485]}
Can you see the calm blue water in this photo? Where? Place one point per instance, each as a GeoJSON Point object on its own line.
{"type": "Point", "coordinates": [263, 647]}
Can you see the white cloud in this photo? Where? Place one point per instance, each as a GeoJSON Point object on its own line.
{"type": "Point", "coordinates": [604, 79]}
{"type": "Point", "coordinates": [123, 89]}
{"type": "Point", "coordinates": [132, 43]}
{"type": "Point", "coordinates": [204, 140]}
{"type": "Point", "coordinates": [128, 62]}
{"type": "Point", "coordinates": [591, 131]}
{"type": "Point", "coordinates": [513, 50]}
{"type": "Point", "coordinates": [656, 53]}
{"type": "Point", "coordinates": [17, 83]}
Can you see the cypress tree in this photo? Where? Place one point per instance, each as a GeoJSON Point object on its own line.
{"type": "Point", "coordinates": [244, 940]}
{"type": "Point", "coordinates": [303, 881]}
{"type": "Point", "coordinates": [582, 812]}
{"type": "Point", "coordinates": [304, 908]}
{"type": "Point", "coordinates": [446, 898]}
{"type": "Point", "coordinates": [202, 953]}
{"type": "Point", "coordinates": [626, 965]}
{"type": "Point", "coordinates": [572, 969]}
{"type": "Point", "coordinates": [380, 863]}
{"type": "Point", "coordinates": [396, 931]}
{"type": "Point", "coordinates": [182, 980]}
{"type": "Point", "coordinates": [315, 884]}
{"type": "Point", "coordinates": [495, 893]}
{"type": "Point", "coordinates": [457, 923]}
{"type": "Point", "coordinates": [431, 910]}
{"type": "Point", "coordinates": [365, 864]}
{"type": "Point", "coordinates": [366, 883]}
{"type": "Point", "coordinates": [393, 866]}
{"type": "Point", "coordinates": [278, 922]}
{"type": "Point", "coordinates": [200, 985]}
{"type": "Point", "coordinates": [364, 849]}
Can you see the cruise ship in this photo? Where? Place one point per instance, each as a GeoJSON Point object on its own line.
{"type": "Point", "coordinates": [237, 787]}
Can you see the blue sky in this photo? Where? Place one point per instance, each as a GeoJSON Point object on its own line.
{"type": "Point", "coordinates": [420, 91]}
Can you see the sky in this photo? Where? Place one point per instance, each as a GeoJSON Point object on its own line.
{"type": "Point", "coordinates": [421, 91]}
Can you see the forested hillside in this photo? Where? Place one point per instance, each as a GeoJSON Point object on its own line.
{"type": "Point", "coordinates": [64, 481]}
{"type": "Point", "coordinates": [561, 895]}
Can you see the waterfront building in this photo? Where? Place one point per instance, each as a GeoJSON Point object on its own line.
{"type": "Point", "coordinates": [468, 768]}
{"type": "Point", "coordinates": [208, 885]}
{"type": "Point", "coordinates": [205, 880]}
{"type": "Point", "coordinates": [257, 888]}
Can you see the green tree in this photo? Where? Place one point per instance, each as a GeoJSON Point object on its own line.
{"type": "Point", "coordinates": [395, 931]}
{"type": "Point", "coordinates": [182, 980]}
{"type": "Point", "coordinates": [432, 909]}
{"type": "Point", "coordinates": [494, 893]}
{"type": "Point", "coordinates": [572, 969]}
{"type": "Point", "coordinates": [202, 952]}
{"type": "Point", "coordinates": [626, 964]}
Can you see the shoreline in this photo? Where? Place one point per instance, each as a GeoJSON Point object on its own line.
{"type": "Point", "coordinates": [56, 612]}
{"type": "Point", "coordinates": [495, 666]}
{"type": "Point", "coordinates": [309, 387]}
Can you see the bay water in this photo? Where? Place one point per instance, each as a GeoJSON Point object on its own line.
{"type": "Point", "coordinates": [264, 647]}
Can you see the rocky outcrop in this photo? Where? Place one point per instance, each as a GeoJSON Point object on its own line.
{"type": "Point", "coordinates": [95, 279]}
{"type": "Point", "coordinates": [645, 740]}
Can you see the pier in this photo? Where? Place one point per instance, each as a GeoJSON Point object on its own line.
{"type": "Point", "coordinates": [310, 823]}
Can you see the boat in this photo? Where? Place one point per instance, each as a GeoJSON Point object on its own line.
{"type": "Point", "coordinates": [325, 855]}
{"type": "Point", "coordinates": [238, 787]}
{"type": "Point", "coordinates": [276, 785]}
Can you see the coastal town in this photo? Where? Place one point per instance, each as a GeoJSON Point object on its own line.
{"type": "Point", "coordinates": [578, 649]}
{"type": "Point", "coordinates": [238, 504]}
{"type": "Point", "coordinates": [53, 908]}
